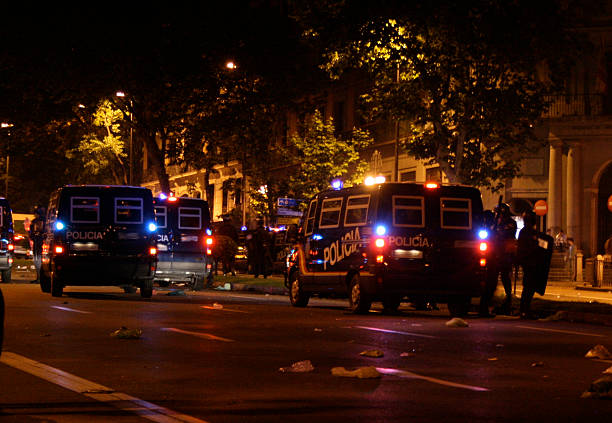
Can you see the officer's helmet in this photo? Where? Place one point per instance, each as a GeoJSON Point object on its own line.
{"type": "Point", "coordinates": [529, 219]}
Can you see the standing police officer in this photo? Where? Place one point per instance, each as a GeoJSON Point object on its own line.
{"type": "Point", "coordinates": [503, 252]}
{"type": "Point", "coordinates": [37, 235]}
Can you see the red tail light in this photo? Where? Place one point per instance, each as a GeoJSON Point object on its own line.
{"type": "Point", "coordinates": [59, 249]}
{"type": "Point", "coordinates": [208, 251]}
{"type": "Point", "coordinates": [483, 247]}
{"type": "Point", "coordinates": [11, 247]}
{"type": "Point", "coordinates": [432, 185]}
{"type": "Point", "coordinates": [152, 251]}
{"type": "Point", "coordinates": [208, 241]}
{"type": "Point", "coordinates": [380, 242]}
{"type": "Point", "coordinates": [380, 259]}
{"type": "Point", "coordinates": [483, 262]}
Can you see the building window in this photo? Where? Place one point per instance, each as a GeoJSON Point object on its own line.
{"type": "Point", "coordinates": [433, 174]}
{"type": "Point", "coordinates": [408, 176]}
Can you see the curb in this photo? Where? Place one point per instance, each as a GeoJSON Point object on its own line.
{"type": "Point", "coordinates": [583, 317]}
{"type": "Point", "coordinates": [593, 288]}
{"type": "Point", "coordinates": [258, 288]}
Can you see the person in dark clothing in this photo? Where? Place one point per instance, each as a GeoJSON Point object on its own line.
{"type": "Point", "coordinates": [37, 236]}
{"type": "Point", "coordinates": [528, 259]}
{"type": "Point", "coordinates": [503, 232]}
{"type": "Point", "coordinates": [261, 244]}
{"type": "Point", "coordinates": [227, 246]}
{"type": "Point", "coordinates": [228, 229]}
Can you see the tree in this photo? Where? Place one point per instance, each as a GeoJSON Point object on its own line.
{"type": "Point", "coordinates": [103, 149]}
{"type": "Point", "coordinates": [321, 157]}
{"type": "Point", "coordinates": [467, 79]}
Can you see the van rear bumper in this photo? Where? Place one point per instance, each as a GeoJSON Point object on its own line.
{"type": "Point", "coordinates": [381, 283]}
{"type": "Point", "coordinates": [182, 267]}
{"type": "Point", "coordinates": [104, 270]}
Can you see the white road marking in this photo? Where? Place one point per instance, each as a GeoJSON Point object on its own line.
{"type": "Point", "coordinates": [395, 331]}
{"type": "Point", "coordinates": [410, 375]}
{"type": "Point", "coordinates": [198, 334]}
{"type": "Point", "coordinates": [224, 309]}
{"type": "Point", "coordinates": [71, 309]}
{"type": "Point", "coordinates": [570, 332]}
{"type": "Point", "coordinates": [96, 391]}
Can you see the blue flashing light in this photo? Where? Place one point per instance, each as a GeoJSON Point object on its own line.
{"type": "Point", "coordinates": [337, 184]}
{"type": "Point", "coordinates": [317, 237]}
{"type": "Point", "coordinates": [244, 228]}
{"type": "Point", "coordinates": [381, 230]}
{"type": "Point", "coordinates": [152, 227]}
{"type": "Point", "coordinates": [162, 196]}
{"type": "Point", "coordinates": [319, 261]}
{"type": "Point", "coordinates": [59, 225]}
{"type": "Point", "coordinates": [483, 234]}
{"type": "Point", "coordinates": [208, 231]}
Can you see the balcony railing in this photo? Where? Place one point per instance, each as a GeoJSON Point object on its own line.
{"type": "Point", "coordinates": [576, 105]}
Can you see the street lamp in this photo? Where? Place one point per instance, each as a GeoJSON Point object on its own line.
{"type": "Point", "coordinates": [6, 125]}
{"type": "Point", "coordinates": [130, 178]}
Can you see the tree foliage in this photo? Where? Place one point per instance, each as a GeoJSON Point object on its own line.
{"type": "Point", "coordinates": [322, 156]}
{"type": "Point", "coordinates": [468, 79]}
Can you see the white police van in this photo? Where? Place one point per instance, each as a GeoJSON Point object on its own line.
{"type": "Point", "coordinates": [391, 242]}
{"type": "Point", "coordinates": [184, 241]}
{"type": "Point", "coordinates": [99, 235]}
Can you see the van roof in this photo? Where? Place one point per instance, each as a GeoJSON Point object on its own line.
{"type": "Point", "coordinates": [362, 188]}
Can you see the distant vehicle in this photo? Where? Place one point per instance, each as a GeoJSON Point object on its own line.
{"type": "Point", "coordinates": [22, 247]}
{"type": "Point", "coordinates": [184, 241]}
{"type": "Point", "coordinates": [99, 235]}
{"type": "Point", "coordinates": [391, 242]}
{"type": "Point", "coordinates": [7, 245]}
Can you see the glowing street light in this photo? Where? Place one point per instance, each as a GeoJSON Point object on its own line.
{"type": "Point", "coordinates": [230, 65]}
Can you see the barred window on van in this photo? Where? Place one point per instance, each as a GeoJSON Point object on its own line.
{"type": "Point", "coordinates": [408, 211]}
{"type": "Point", "coordinates": [357, 210]}
{"type": "Point", "coordinates": [330, 213]}
{"type": "Point", "coordinates": [128, 210]}
{"type": "Point", "coordinates": [456, 213]}
{"type": "Point", "coordinates": [310, 220]}
{"type": "Point", "coordinates": [161, 216]}
{"type": "Point", "coordinates": [190, 218]}
{"type": "Point", "coordinates": [85, 209]}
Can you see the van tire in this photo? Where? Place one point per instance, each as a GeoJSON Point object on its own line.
{"type": "Point", "coordinates": [459, 306]}
{"type": "Point", "coordinates": [297, 296]}
{"type": "Point", "coordinates": [198, 283]}
{"type": "Point", "coordinates": [45, 283]}
{"type": "Point", "coordinates": [6, 276]}
{"type": "Point", "coordinates": [57, 288]}
{"type": "Point", "coordinates": [359, 302]}
{"type": "Point", "coordinates": [146, 288]}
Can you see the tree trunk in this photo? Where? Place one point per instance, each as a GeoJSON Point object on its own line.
{"type": "Point", "coordinates": [156, 158]}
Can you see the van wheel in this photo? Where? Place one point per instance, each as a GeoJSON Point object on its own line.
{"type": "Point", "coordinates": [146, 289]}
{"type": "Point", "coordinates": [391, 304]}
{"type": "Point", "coordinates": [297, 296]}
{"type": "Point", "coordinates": [459, 306]}
{"type": "Point", "coordinates": [45, 283]}
{"type": "Point", "coordinates": [57, 288]}
{"type": "Point", "coordinates": [6, 276]}
{"type": "Point", "coordinates": [359, 303]}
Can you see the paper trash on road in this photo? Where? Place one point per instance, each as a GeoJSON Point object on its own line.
{"type": "Point", "coordinates": [361, 372]}
{"type": "Point", "coordinates": [217, 306]}
{"type": "Point", "coordinates": [456, 322]}
{"type": "Point", "coordinates": [601, 388]}
{"type": "Point", "coordinates": [177, 293]}
{"type": "Point", "coordinates": [125, 333]}
{"type": "Point", "coordinates": [599, 351]}
{"type": "Point", "coordinates": [372, 353]}
{"type": "Point", "coordinates": [299, 367]}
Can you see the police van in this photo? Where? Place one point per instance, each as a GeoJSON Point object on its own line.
{"type": "Point", "coordinates": [391, 242]}
{"type": "Point", "coordinates": [99, 235]}
{"type": "Point", "coordinates": [7, 246]}
{"type": "Point", "coordinates": [184, 241]}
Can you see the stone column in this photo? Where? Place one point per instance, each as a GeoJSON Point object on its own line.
{"type": "Point", "coordinates": [573, 199]}
{"type": "Point", "coordinates": [554, 187]}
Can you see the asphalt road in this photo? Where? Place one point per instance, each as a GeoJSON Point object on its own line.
{"type": "Point", "coordinates": [215, 357]}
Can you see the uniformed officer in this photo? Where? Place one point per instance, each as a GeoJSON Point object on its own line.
{"type": "Point", "coordinates": [503, 254]}
{"type": "Point", "coordinates": [37, 235]}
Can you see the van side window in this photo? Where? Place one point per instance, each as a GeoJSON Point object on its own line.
{"type": "Point", "coordinates": [85, 209]}
{"type": "Point", "coordinates": [161, 216]}
{"type": "Point", "coordinates": [310, 219]}
{"type": "Point", "coordinates": [330, 213]}
{"type": "Point", "coordinates": [408, 211]}
{"type": "Point", "coordinates": [356, 210]}
{"type": "Point", "coordinates": [455, 213]}
{"type": "Point", "coordinates": [128, 210]}
{"type": "Point", "coordinates": [190, 218]}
